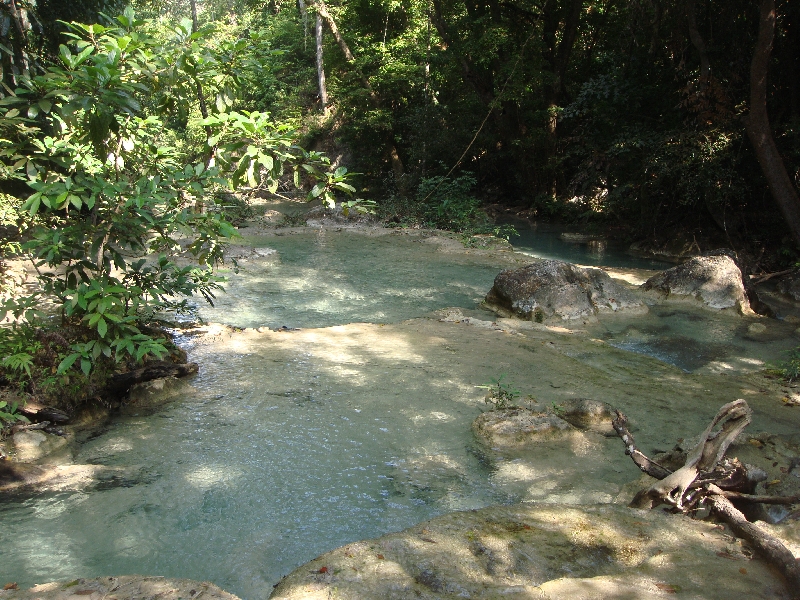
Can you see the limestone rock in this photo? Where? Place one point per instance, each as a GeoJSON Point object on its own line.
{"type": "Point", "coordinates": [715, 281]}
{"type": "Point", "coordinates": [587, 414]}
{"type": "Point", "coordinates": [518, 427]}
{"type": "Point", "coordinates": [126, 586]}
{"type": "Point", "coordinates": [155, 393]}
{"type": "Point", "coordinates": [551, 551]}
{"type": "Point", "coordinates": [31, 446]}
{"type": "Point", "coordinates": [555, 289]}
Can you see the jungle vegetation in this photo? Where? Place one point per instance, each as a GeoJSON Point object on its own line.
{"type": "Point", "coordinates": [124, 129]}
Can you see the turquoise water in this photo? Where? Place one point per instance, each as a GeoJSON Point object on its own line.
{"type": "Point", "coordinates": [326, 278]}
{"type": "Point", "coordinates": [281, 451]}
{"type": "Point", "coordinates": [544, 241]}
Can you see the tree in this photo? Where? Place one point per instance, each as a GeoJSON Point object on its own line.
{"type": "Point", "coordinates": [758, 126]}
{"type": "Point", "coordinates": [114, 189]}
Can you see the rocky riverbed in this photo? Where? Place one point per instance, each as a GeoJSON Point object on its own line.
{"type": "Point", "coordinates": [573, 487]}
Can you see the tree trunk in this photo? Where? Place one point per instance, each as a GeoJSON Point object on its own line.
{"type": "Point", "coordinates": [559, 59]}
{"type": "Point", "coordinates": [758, 127]}
{"type": "Point", "coordinates": [698, 43]}
{"type": "Point", "coordinates": [322, 10]}
{"type": "Point", "coordinates": [301, 6]}
{"type": "Point", "coordinates": [199, 206]}
{"type": "Point", "coordinates": [323, 90]}
{"type": "Point", "coordinates": [14, 28]}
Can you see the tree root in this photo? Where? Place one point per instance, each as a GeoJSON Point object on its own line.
{"type": "Point", "coordinates": [122, 382]}
{"type": "Point", "coordinates": [707, 478]}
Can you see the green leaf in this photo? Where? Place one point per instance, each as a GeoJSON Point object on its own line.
{"type": "Point", "coordinates": [267, 161]}
{"type": "Point", "coordinates": [102, 327]}
{"type": "Point", "coordinates": [65, 364]}
{"type": "Point", "coordinates": [81, 57]}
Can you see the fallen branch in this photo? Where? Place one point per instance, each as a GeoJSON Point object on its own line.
{"type": "Point", "coordinates": [31, 427]}
{"type": "Point", "coordinates": [620, 424]}
{"type": "Point", "coordinates": [767, 276]}
{"type": "Point", "coordinates": [703, 479]}
{"type": "Point", "coordinates": [786, 500]}
{"type": "Point", "coordinates": [34, 410]}
{"type": "Point", "coordinates": [766, 545]}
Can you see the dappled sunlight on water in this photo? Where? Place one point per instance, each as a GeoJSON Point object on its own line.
{"type": "Point", "coordinates": [324, 278]}
{"type": "Point", "coordinates": [291, 443]}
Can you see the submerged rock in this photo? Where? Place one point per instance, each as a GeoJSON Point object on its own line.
{"type": "Point", "coordinates": [552, 288]}
{"type": "Point", "coordinates": [547, 551]}
{"type": "Point", "coordinates": [153, 394]}
{"type": "Point", "coordinates": [518, 427]}
{"type": "Point", "coordinates": [126, 586]}
{"type": "Point", "coordinates": [587, 414]}
{"type": "Point", "coordinates": [715, 281]}
{"type": "Point", "coordinates": [30, 446]}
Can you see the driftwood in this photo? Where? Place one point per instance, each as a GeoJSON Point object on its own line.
{"type": "Point", "coordinates": [767, 276]}
{"type": "Point", "coordinates": [38, 412]}
{"type": "Point", "coordinates": [707, 478]}
{"type": "Point", "coordinates": [31, 427]}
{"type": "Point", "coordinates": [122, 382]}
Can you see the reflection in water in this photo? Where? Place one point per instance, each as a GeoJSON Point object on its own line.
{"type": "Point", "coordinates": [285, 451]}
{"type": "Point", "coordinates": [545, 241]}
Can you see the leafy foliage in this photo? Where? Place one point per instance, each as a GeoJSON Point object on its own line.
{"type": "Point", "coordinates": [114, 193]}
{"type": "Point", "coordinates": [9, 414]}
{"type": "Point", "coordinates": [499, 394]}
{"type": "Point", "coordinates": [790, 368]}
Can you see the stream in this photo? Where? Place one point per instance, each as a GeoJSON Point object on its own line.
{"type": "Point", "coordinates": [289, 443]}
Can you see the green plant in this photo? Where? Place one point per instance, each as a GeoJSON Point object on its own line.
{"type": "Point", "coordinates": [499, 394]}
{"type": "Point", "coordinates": [449, 203]}
{"type": "Point", "coordinates": [114, 190]}
{"type": "Point", "coordinates": [9, 414]}
{"type": "Point", "coordinates": [788, 369]}
{"type": "Point", "coordinates": [18, 347]}
{"type": "Point", "coordinates": [362, 207]}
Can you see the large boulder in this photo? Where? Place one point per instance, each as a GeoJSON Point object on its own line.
{"type": "Point", "coordinates": [715, 281]}
{"type": "Point", "coordinates": [556, 289]}
{"type": "Point", "coordinates": [543, 551]}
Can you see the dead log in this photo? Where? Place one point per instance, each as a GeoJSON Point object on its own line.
{"type": "Point", "coordinates": [31, 427]}
{"type": "Point", "coordinates": [767, 546]}
{"type": "Point", "coordinates": [703, 479]}
{"type": "Point", "coordinates": [38, 412]}
{"type": "Point", "coordinates": [767, 276]}
{"type": "Point", "coordinates": [121, 383]}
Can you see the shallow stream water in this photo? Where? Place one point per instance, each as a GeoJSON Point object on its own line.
{"type": "Point", "coordinates": [294, 443]}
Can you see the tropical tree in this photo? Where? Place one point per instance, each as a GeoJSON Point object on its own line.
{"type": "Point", "coordinates": [114, 194]}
